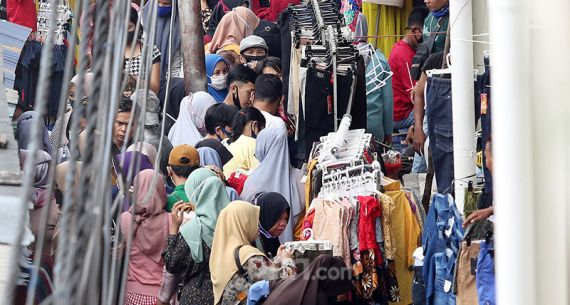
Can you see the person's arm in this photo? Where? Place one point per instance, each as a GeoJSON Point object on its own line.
{"type": "Point", "coordinates": [419, 112]}
{"type": "Point", "coordinates": [155, 78]}
{"type": "Point", "coordinates": [478, 216]}
{"type": "Point", "coordinates": [177, 256]}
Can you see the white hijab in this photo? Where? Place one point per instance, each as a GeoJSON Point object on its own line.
{"type": "Point", "coordinates": [191, 119]}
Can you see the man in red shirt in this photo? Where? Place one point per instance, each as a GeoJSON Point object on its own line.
{"type": "Point", "coordinates": [400, 63]}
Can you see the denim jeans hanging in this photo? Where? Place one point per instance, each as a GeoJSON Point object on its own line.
{"type": "Point", "coordinates": [440, 131]}
{"type": "Point", "coordinates": [442, 234]}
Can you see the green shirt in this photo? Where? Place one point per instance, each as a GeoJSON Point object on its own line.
{"type": "Point", "coordinates": [176, 195]}
{"type": "Point", "coordinates": [430, 25]}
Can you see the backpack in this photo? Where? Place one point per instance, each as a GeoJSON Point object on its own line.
{"type": "Point", "coordinates": [270, 32]}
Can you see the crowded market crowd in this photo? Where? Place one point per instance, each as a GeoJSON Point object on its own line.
{"type": "Point", "coordinates": [232, 187]}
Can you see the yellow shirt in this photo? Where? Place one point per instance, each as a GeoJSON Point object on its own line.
{"type": "Point", "coordinates": [243, 150]}
{"type": "Point", "coordinates": [405, 230]}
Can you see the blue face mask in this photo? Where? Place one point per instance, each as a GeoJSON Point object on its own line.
{"type": "Point", "coordinates": [164, 11]}
{"type": "Point", "coordinates": [227, 133]}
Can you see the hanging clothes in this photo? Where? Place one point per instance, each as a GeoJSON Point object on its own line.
{"type": "Point", "coordinates": [28, 68]}
{"type": "Point", "coordinates": [379, 100]}
{"type": "Point", "coordinates": [386, 20]}
{"type": "Point", "coordinates": [406, 232]}
{"type": "Point", "coordinates": [440, 245]}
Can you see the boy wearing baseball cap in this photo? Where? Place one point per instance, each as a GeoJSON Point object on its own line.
{"type": "Point", "coordinates": [183, 160]}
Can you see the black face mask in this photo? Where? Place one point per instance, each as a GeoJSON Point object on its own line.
{"type": "Point", "coordinates": [249, 58]}
{"type": "Point", "coordinates": [130, 36]}
{"type": "Point", "coordinates": [421, 39]}
{"type": "Point", "coordinates": [58, 197]}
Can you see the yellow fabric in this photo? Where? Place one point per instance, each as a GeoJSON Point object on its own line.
{"type": "Point", "coordinates": [405, 230]}
{"type": "Point", "coordinates": [237, 226]}
{"type": "Point", "coordinates": [243, 150]}
{"type": "Point", "coordinates": [231, 47]}
{"type": "Point", "coordinates": [309, 183]}
{"type": "Point", "coordinates": [393, 21]}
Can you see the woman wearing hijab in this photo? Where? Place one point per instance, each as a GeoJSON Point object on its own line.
{"type": "Point", "coordinates": [234, 264]}
{"type": "Point", "coordinates": [190, 126]}
{"type": "Point", "coordinates": [40, 197]}
{"type": "Point", "coordinates": [208, 156]}
{"type": "Point", "coordinates": [273, 218]}
{"type": "Point", "coordinates": [246, 126]}
{"type": "Point", "coordinates": [149, 232]}
{"type": "Point", "coordinates": [126, 166]}
{"type": "Point", "coordinates": [24, 132]}
{"type": "Point", "coordinates": [188, 251]}
{"type": "Point", "coordinates": [217, 73]}
{"type": "Point", "coordinates": [320, 290]}
{"type": "Point", "coordinates": [275, 174]}
{"type": "Point", "coordinates": [234, 26]}
{"type": "Point", "coordinates": [145, 149]}
{"type": "Point", "coordinates": [219, 9]}
{"type": "Point", "coordinates": [210, 159]}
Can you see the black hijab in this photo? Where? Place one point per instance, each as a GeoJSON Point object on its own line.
{"type": "Point", "coordinates": [272, 205]}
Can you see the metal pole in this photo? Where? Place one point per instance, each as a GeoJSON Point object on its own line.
{"type": "Point", "coordinates": [461, 15]}
{"type": "Point", "coordinates": [550, 110]}
{"type": "Point", "coordinates": [513, 177]}
{"type": "Point", "coordinates": [192, 46]}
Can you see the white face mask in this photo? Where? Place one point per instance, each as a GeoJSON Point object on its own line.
{"type": "Point", "coordinates": [219, 82]}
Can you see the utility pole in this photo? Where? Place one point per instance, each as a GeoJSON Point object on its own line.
{"type": "Point", "coordinates": [192, 45]}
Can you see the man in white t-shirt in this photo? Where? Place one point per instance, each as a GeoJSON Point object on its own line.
{"type": "Point", "coordinates": [268, 97]}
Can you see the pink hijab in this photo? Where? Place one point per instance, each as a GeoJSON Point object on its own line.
{"type": "Point", "coordinates": [234, 26]}
{"type": "Point", "coordinates": [150, 233]}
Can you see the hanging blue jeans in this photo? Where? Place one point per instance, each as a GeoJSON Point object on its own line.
{"type": "Point", "coordinates": [440, 241]}
{"type": "Point", "coordinates": [440, 131]}
{"type": "Point", "coordinates": [485, 278]}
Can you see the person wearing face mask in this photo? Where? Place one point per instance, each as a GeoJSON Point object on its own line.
{"type": "Point", "coordinates": [218, 124]}
{"type": "Point", "coordinates": [183, 160]}
{"type": "Point", "coordinates": [400, 62]}
{"type": "Point", "coordinates": [273, 218]}
{"type": "Point", "coordinates": [247, 124]}
{"type": "Point", "coordinates": [252, 50]}
{"type": "Point", "coordinates": [217, 75]}
{"type": "Point", "coordinates": [241, 84]}
{"type": "Point", "coordinates": [76, 101]}
{"type": "Point", "coordinates": [190, 125]}
{"type": "Point", "coordinates": [133, 54]}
